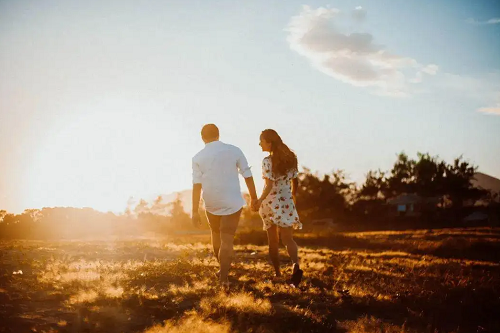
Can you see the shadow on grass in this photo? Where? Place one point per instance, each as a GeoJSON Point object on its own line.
{"type": "Point", "coordinates": [361, 289]}
{"type": "Point", "coordinates": [445, 245]}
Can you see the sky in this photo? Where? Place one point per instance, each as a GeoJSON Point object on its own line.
{"type": "Point", "coordinates": [101, 101]}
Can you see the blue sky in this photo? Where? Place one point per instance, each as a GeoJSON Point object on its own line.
{"type": "Point", "coordinates": [103, 100]}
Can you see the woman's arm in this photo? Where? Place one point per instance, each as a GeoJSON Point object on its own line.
{"type": "Point", "coordinates": [267, 189]}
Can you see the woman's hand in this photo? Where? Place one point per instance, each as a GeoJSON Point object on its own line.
{"type": "Point", "coordinates": [256, 205]}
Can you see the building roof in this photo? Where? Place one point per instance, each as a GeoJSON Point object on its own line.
{"type": "Point", "coordinates": [404, 199]}
{"type": "Point", "coordinates": [411, 198]}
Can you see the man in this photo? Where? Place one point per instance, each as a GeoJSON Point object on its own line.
{"type": "Point", "coordinates": [215, 170]}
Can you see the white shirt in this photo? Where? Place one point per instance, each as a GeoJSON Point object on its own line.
{"type": "Point", "coordinates": [216, 168]}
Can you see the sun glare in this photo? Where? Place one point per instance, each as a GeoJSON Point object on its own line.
{"type": "Point", "coordinates": [100, 158]}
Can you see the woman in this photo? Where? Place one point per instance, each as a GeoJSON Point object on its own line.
{"type": "Point", "coordinates": [277, 202]}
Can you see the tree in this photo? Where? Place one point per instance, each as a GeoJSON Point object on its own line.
{"type": "Point", "coordinates": [178, 216]}
{"type": "Point", "coordinates": [458, 183]}
{"type": "Point", "coordinates": [142, 207]}
{"type": "Point", "coordinates": [401, 179]}
{"type": "Point", "coordinates": [322, 198]}
{"type": "Point", "coordinates": [33, 214]}
{"type": "Point", "coordinates": [374, 187]}
{"type": "Point", "coordinates": [429, 175]}
{"type": "Point", "coordinates": [159, 207]}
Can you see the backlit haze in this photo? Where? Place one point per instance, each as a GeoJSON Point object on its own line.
{"type": "Point", "coordinates": [104, 100]}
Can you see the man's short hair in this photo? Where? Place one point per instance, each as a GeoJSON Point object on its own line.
{"type": "Point", "coordinates": [209, 132]}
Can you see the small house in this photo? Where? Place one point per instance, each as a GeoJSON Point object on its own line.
{"type": "Point", "coordinates": [411, 204]}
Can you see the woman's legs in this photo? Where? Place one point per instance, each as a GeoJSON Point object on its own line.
{"type": "Point", "coordinates": [273, 239]}
{"type": "Point", "coordinates": [291, 246]}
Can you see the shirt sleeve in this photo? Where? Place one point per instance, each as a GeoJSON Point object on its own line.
{"type": "Point", "coordinates": [267, 169]}
{"type": "Point", "coordinates": [243, 167]}
{"type": "Point", "coordinates": [197, 174]}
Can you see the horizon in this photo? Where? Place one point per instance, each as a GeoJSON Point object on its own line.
{"type": "Point", "coordinates": [103, 101]}
{"type": "Point", "coordinates": [185, 196]}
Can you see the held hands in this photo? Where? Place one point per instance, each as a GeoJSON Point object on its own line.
{"type": "Point", "coordinates": [255, 204]}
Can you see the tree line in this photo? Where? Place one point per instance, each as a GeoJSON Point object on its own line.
{"type": "Point", "coordinates": [157, 217]}
{"type": "Point", "coordinates": [330, 195]}
{"type": "Point", "coordinates": [334, 196]}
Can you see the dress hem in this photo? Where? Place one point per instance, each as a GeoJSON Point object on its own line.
{"type": "Point", "coordinates": [295, 225]}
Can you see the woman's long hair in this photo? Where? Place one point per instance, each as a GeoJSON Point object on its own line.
{"type": "Point", "coordinates": [283, 159]}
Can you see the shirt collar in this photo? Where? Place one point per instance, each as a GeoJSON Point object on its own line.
{"type": "Point", "coordinates": [213, 143]}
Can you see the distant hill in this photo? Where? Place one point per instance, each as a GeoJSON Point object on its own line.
{"type": "Point", "coordinates": [486, 182]}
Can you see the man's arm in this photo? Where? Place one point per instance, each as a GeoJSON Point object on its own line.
{"type": "Point", "coordinates": [196, 198]}
{"type": "Point", "coordinates": [251, 188]}
{"type": "Point", "coordinates": [195, 215]}
{"type": "Point", "coordinates": [244, 170]}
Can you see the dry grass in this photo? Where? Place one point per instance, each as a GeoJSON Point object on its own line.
{"type": "Point", "coordinates": [191, 324]}
{"type": "Point", "coordinates": [371, 324]}
{"type": "Point", "coordinates": [411, 281]}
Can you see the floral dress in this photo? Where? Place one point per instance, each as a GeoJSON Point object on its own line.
{"type": "Point", "coordinates": [278, 207]}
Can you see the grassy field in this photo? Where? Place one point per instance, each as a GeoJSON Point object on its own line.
{"type": "Point", "coordinates": [444, 280]}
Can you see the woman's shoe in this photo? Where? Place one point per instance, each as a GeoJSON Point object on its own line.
{"type": "Point", "coordinates": [296, 277]}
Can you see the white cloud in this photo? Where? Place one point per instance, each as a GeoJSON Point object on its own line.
{"type": "Point", "coordinates": [492, 110]}
{"type": "Point", "coordinates": [353, 58]}
{"type": "Point", "coordinates": [495, 109]}
{"type": "Point", "coordinates": [494, 20]}
{"type": "Point", "coordinates": [430, 69]}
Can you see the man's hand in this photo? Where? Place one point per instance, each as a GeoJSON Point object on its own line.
{"type": "Point", "coordinates": [195, 218]}
{"type": "Point", "coordinates": [251, 190]}
{"type": "Point", "coordinates": [255, 203]}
